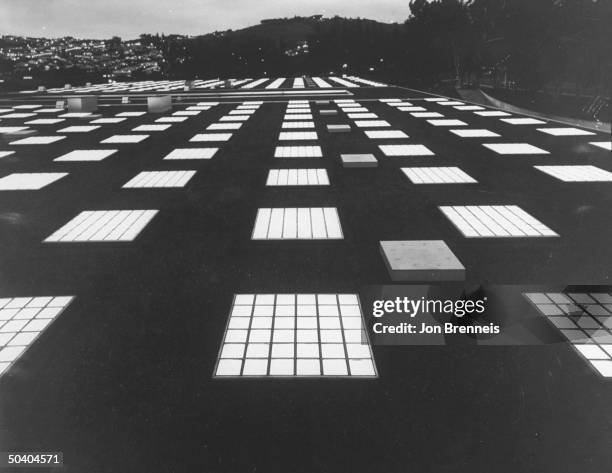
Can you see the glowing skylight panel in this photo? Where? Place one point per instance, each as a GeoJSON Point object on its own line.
{"type": "Point", "coordinates": [107, 121]}
{"type": "Point", "coordinates": [191, 153]}
{"type": "Point", "coordinates": [298, 152]}
{"type": "Point", "coordinates": [103, 226]}
{"type": "Point", "coordinates": [224, 126]}
{"type": "Point", "coordinates": [385, 134]}
{"type": "Point", "coordinates": [201, 137]}
{"type": "Point", "coordinates": [565, 131]}
{"type": "Point", "coordinates": [405, 150]}
{"type": "Point", "coordinates": [22, 321]}
{"type": "Point", "coordinates": [29, 181]}
{"type": "Point", "coordinates": [584, 320]}
{"type": "Point", "coordinates": [514, 148]}
{"type": "Point", "coordinates": [602, 144]}
{"type": "Point", "coordinates": [412, 109]}
{"type": "Point", "coordinates": [295, 335]}
{"type": "Point", "coordinates": [130, 114]}
{"type": "Point", "coordinates": [577, 173]}
{"type": "Point", "coordinates": [18, 115]}
{"type": "Point", "coordinates": [372, 123]}
{"type": "Point", "coordinates": [45, 121]}
{"type": "Point", "coordinates": [304, 223]}
{"type": "Point", "coordinates": [4, 154]}
{"type": "Point", "coordinates": [427, 115]}
{"type": "Point", "coordinates": [297, 177]}
{"type": "Point", "coordinates": [495, 221]}
{"type": "Point", "coordinates": [12, 129]}
{"type": "Point", "coordinates": [37, 140]}
{"type": "Point", "coordinates": [171, 119]}
{"type": "Point", "coordinates": [76, 115]}
{"type": "Point", "coordinates": [297, 135]}
{"type": "Point", "coordinates": [297, 125]}
{"type": "Point", "coordinates": [298, 116]}
{"type": "Point", "coordinates": [438, 175]}
{"type": "Point", "coordinates": [492, 113]}
{"type": "Point", "coordinates": [86, 155]}
{"type": "Point", "coordinates": [124, 139]}
{"type": "Point", "coordinates": [474, 133]}
{"type": "Point", "coordinates": [78, 129]}
{"type": "Point", "coordinates": [234, 118]}
{"type": "Point", "coordinates": [151, 127]}
{"type": "Point", "coordinates": [522, 121]}
{"type": "Point", "coordinates": [160, 179]}
{"type": "Point", "coordinates": [446, 122]}
{"type": "Point", "coordinates": [362, 116]}
{"type": "Point", "coordinates": [468, 107]}
{"type": "Point", "coordinates": [186, 113]}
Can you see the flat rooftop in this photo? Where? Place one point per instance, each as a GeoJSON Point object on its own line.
{"type": "Point", "coordinates": [148, 260]}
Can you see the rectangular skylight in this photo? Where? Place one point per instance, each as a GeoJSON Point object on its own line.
{"type": "Point", "coordinates": [76, 115]}
{"type": "Point", "coordinates": [492, 113]}
{"type": "Point", "coordinates": [29, 181]}
{"type": "Point", "coordinates": [565, 131]}
{"type": "Point", "coordinates": [474, 133]}
{"type": "Point", "coordinates": [405, 150]}
{"type": "Point", "coordinates": [306, 223]}
{"type": "Point", "coordinates": [298, 152]}
{"type": "Point", "coordinates": [192, 153]}
{"type": "Point", "coordinates": [295, 335]}
{"type": "Point", "coordinates": [45, 121]}
{"type": "Point", "coordinates": [446, 122]}
{"type": "Point", "coordinates": [371, 123]}
{"type": "Point", "coordinates": [86, 155]}
{"type": "Point", "coordinates": [211, 137]}
{"type": "Point", "coordinates": [18, 115]}
{"type": "Point", "coordinates": [4, 154]}
{"type": "Point", "coordinates": [186, 113]}
{"type": "Point", "coordinates": [107, 121]}
{"type": "Point", "coordinates": [361, 115]}
{"type": "Point", "coordinates": [450, 103]}
{"type": "Point", "coordinates": [585, 320]}
{"type": "Point", "coordinates": [130, 114]}
{"type": "Point", "coordinates": [298, 116]}
{"type": "Point", "coordinates": [171, 119]}
{"type": "Point", "coordinates": [26, 107]}
{"type": "Point", "coordinates": [438, 175]}
{"type": "Point", "coordinates": [297, 135]}
{"type": "Point", "coordinates": [125, 139]}
{"type": "Point", "coordinates": [436, 99]}
{"type": "Point", "coordinates": [385, 134]}
{"type": "Point", "coordinates": [602, 144]}
{"type": "Point", "coordinates": [79, 129]}
{"type": "Point", "coordinates": [22, 321]}
{"type": "Point", "coordinates": [522, 121]}
{"type": "Point", "coordinates": [235, 118]}
{"type": "Point", "coordinates": [224, 126]}
{"type": "Point", "coordinates": [495, 221]}
{"type": "Point", "coordinates": [160, 179]}
{"type": "Point", "coordinates": [151, 127]}
{"type": "Point", "coordinates": [37, 140]}
{"type": "Point", "coordinates": [427, 115]}
{"type": "Point", "coordinates": [103, 225]}
{"type": "Point", "coordinates": [12, 129]}
{"type": "Point", "coordinates": [297, 125]}
{"type": "Point", "coordinates": [412, 109]}
{"type": "Point", "coordinates": [468, 107]}
{"type": "Point", "coordinates": [514, 148]}
{"type": "Point", "coordinates": [577, 173]}
{"type": "Point", "coordinates": [297, 177]}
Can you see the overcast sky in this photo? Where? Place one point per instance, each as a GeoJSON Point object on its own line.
{"type": "Point", "coordinates": [129, 18]}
